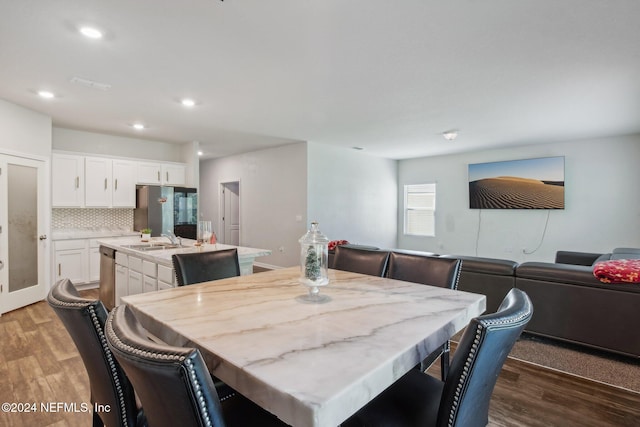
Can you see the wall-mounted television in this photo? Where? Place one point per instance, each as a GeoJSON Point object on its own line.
{"type": "Point", "coordinates": [517, 184]}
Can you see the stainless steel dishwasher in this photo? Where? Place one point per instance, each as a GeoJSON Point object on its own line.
{"type": "Point", "coordinates": [108, 277]}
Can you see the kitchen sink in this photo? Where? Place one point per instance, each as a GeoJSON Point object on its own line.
{"type": "Point", "coordinates": [153, 247]}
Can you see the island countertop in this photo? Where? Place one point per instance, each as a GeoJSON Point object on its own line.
{"type": "Point", "coordinates": [163, 256]}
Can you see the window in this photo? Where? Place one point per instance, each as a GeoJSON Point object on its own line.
{"type": "Point", "coordinates": [420, 209]}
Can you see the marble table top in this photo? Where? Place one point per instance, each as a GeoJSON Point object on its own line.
{"type": "Point", "coordinates": [309, 364]}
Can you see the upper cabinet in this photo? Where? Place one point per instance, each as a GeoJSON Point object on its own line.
{"type": "Point", "coordinates": [100, 182]}
{"type": "Point", "coordinates": [161, 173]}
{"type": "Point", "coordinates": [67, 176]}
{"type": "Point", "coordinates": [124, 183]}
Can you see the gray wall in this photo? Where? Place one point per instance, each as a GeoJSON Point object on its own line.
{"type": "Point", "coordinates": [353, 195]}
{"type": "Point", "coordinates": [24, 131]}
{"type": "Point", "coordinates": [273, 198]}
{"type": "Point", "coordinates": [602, 208]}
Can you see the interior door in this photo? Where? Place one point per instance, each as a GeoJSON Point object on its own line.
{"type": "Point", "coordinates": [22, 240]}
{"type": "Point", "coordinates": [231, 213]}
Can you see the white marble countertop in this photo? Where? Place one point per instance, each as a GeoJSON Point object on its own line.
{"type": "Point", "coordinates": [90, 233]}
{"type": "Point", "coordinates": [309, 364]}
{"type": "Point", "coordinates": [163, 256]}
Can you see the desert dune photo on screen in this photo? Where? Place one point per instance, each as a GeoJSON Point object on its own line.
{"type": "Point", "coordinates": [517, 184]}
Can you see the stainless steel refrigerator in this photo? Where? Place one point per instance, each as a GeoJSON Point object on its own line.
{"type": "Point", "coordinates": [165, 209]}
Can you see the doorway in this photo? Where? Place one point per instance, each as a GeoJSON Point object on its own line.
{"type": "Point", "coordinates": [22, 239]}
{"type": "Point", "coordinates": [230, 213]}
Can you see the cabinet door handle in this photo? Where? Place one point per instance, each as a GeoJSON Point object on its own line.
{"type": "Point", "coordinates": [167, 176]}
{"type": "Point", "coordinates": [116, 184]}
{"type": "Point", "coordinates": [158, 176]}
{"type": "Point", "coordinates": [59, 270]}
{"type": "Point", "coordinates": [77, 182]}
{"type": "Point", "coordinates": [105, 183]}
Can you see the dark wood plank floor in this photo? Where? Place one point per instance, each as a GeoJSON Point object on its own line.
{"type": "Point", "coordinates": [39, 363]}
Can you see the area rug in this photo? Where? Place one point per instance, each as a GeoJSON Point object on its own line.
{"type": "Point", "coordinates": [608, 368]}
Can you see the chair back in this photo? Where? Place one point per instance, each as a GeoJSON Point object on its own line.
{"type": "Point", "coordinates": [205, 266]}
{"type": "Point", "coordinates": [84, 319]}
{"type": "Point", "coordinates": [427, 270]}
{"type": "Point", "coordinates": [373, 263]}
{"type": "Point", "coordinates": [173, 383]}
{"type": "Point", "coordinates": [478, 360]}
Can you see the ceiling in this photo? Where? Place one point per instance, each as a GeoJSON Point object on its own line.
{"type": "Point", "coordinates": [389, 77]}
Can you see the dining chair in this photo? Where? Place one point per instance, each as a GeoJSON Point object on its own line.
{"type": "Point", "coordinates": [419, 399]}
{"type": "Point", "coordinates": [205, 266]}
{"type": "Point", "coordinates": [84, 319]}
{"type": "Point", "coordinates": [433, 271]}
{"type": "Point", "coordinates": [373, 263]}
{"type": "Point", "coordinates": [173, 383]}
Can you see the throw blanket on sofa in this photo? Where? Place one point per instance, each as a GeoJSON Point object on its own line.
{"type": "Point", "coordinates": [618, 271]}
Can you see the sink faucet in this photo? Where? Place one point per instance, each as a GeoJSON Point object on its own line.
{"type": "Point", "coordinates": [175, 240]}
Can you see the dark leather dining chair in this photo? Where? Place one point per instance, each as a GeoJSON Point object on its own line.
{"type": "Point", "coordinates": [205, 266]}
{"type": "Point", "coordinates": [173, 383]}
{"type": "Point", "coordinates": [418, 399]}
{"type": "Point", "coordinates": [427, 270]}
{"type": "Point", "coordinates": [84, 319]}
{"type": "Point", "coordinates": [373, 263]}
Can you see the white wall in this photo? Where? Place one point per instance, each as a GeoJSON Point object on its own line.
{"type": "Point", "coordinates": [273, 193]}
{"type": "Point", "coordinates": [353, 195]}
{"type": "Point", "coordinates": [110, 145]}
{"type": "Point", "coordinates": [602, 207]}
{"type": "Point", "coordinates": [24, 131]}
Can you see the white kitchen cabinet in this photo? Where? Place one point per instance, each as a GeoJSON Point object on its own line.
{"type": "Point", "coordinates": [71, 261]}
{"type": "Point", "coordinates": [94, 261]}
{"type": "Point", "coordinates": [98, 175]}
{"type": "Point", "coordinates": [161, 173]}
{"type": "Point", "coordinates": [122, 282]}
{"type": "Point", "coordinates": [150, 284]}
{"type": "Point", "coordinates": [67, 181]}
{"type": "Point", "coordinates": [166, 277]}
{"type": "Point", "coordinates": [135, 283]}
{"type": "Point", "coordinates": [173, 174]}
{"type": "Point", "coordinates": [124, 184]}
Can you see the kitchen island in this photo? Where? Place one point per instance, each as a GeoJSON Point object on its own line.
{"type": "Point", "coordinates": [147, 266]}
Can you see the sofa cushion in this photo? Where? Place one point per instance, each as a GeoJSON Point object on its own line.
{"type": "Point", "coordinates": [625, 253]}
{"type": "Point", "coordinates": [618, 271]}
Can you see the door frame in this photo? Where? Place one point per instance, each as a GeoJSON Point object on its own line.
{"type": "Point", "coordinates": [221, 206]}
{"type": "Point", "coordinates": [44, 228]}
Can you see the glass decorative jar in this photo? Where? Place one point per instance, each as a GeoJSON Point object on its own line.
{"type": "Point", "coordinates": [314, 259]}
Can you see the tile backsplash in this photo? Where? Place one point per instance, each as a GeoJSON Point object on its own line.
{"type": "Point", "coordinates": [69, 218]}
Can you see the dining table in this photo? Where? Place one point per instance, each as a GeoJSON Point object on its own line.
{"type": "Point", "coordinates": [309, 364]}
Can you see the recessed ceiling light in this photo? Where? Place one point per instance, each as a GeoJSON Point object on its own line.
{"type": "Point", "coordinates": [92, 33]}
{"type": "Point", "coordinates": [138, 126]}
{"type": "Point", "coordinates": [46, 94]}
{"type": "Point", "coordinates": [450, 135]}
{"type": "Point", "coordinates": [200, 153]}
{"type": "Point", "coordinates": [188, 102]}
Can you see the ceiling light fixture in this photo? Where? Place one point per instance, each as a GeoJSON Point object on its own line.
{"type": "Point", "coordinates": [46, 94]}
{"type": "Point", "coordinates": [188, 102]}
{"type": "Point", "coordinates": [138, 126]}
{"type": "Point", "coordinates": [200, 153]}
{"type": "Point", "coordinates": [450, 135]}
{"type": "Point", "coordinates": [90, 32]}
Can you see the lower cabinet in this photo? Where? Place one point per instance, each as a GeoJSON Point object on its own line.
{"type": "Point", "coordinates": [71, 261]}
{"type": "Point", "coordinates": [135, 275]}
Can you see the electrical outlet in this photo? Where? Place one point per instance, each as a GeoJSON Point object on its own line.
{"type": "Point", "coordinates": [281, 249]}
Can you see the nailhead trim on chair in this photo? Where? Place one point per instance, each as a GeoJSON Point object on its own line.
{"type": "Point", "coordinates": [455, 285]}
{"type": "Point", "coordinates": [198, 388]}
{"type": "Point", "coordinates": [466, 371]}
{"type": "Point", "coordinates": [137, 351]}
{"type": "Point", "coordinates": [103, 342]}
{"type": "Point", "coordinates": [112, 366]}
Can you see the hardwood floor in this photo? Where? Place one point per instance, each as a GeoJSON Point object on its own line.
{"type": "Point", "coordinates": [39, 364]}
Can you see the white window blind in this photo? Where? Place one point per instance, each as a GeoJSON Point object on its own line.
{"type": "Point", "coordinates": [420, 209]}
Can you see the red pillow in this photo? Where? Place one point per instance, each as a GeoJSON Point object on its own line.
{"type": "Point", "coordinates": [618, 271]}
